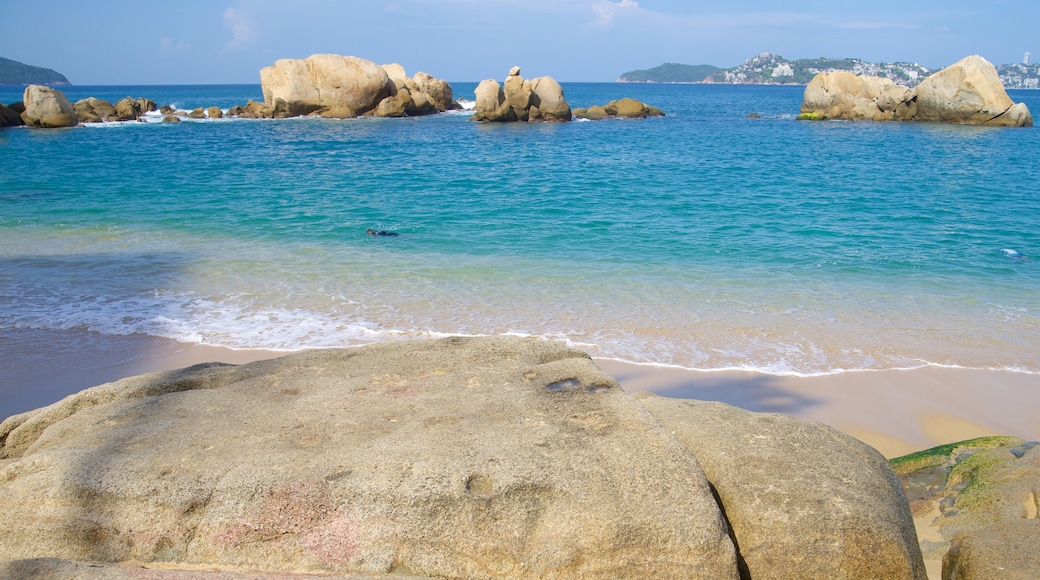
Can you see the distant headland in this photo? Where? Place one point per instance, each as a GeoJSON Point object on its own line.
{"type": "Point", "coordinates": [13, 72]}
{"type": "Point", "coordinates": [773, 69]}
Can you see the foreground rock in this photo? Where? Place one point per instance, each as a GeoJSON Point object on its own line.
{"type": "Point", "coordinates": [519, 99]}
{"type": "Point", "coordinates": [475, 458]}
{"type": "Point", "coordinates": [624, 108]}
{"type": "Point", "coordinates": [967, 92]}
{"type": "Point", "coordinates": [345, 86]}
{"type": "Point", "coordinates": [970, 498]}
{"type": "Point", "coordinates": [803, 500]}
{"type": "Point", "coordinates": [47, 108]}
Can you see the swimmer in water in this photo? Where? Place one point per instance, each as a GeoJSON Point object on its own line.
{"type": "Point", "coordinates": [372, 232]}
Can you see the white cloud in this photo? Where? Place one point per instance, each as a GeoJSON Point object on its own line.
{"type": "Point", "coordinates": [242, 33]}
{"type": "Point", "coordinates": [170, 46]}
{"type": "Point", "coordinates": [875, 25]}
{"type": "Point", "coordinates": [606, 11]}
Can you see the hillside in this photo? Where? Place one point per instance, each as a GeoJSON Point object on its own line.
{"type": "Point", "coordinates": [13, 72]}
{"type": "Point", "coordinates": [772, 69]}
{"type": "Point", "coordinates": [670, 73]}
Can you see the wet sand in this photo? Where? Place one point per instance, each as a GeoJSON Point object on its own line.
{"type": "Point", "coordinates": [897, 412]}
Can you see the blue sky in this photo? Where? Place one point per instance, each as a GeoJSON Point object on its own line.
{"type": "Point", "coordinates": [197, 42]}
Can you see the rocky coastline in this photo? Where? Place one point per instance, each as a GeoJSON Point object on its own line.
{"type": "Point", "coordinates": [490, 457]}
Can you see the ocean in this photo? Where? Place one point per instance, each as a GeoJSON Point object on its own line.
{"type": "Point", "coordinates": [704, 239]}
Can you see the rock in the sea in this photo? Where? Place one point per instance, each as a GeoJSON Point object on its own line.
{"type": "Point", "coordinates": [460, 458]}
{"type": "Point", "coordinates": [128, 109]}
{"type": "Point", "coordinates": [349, 85]}
{"type": "Point", "coordinates": [9, 117]}
{"type": "Point", "coordinates": [171, 119]}
{"type": "Point", "coordinates": [967, 92]}
{"type": "Point", "coordinates": [197, 113]}
{"type": "Point", "coordinates": [802, 499]}
{"type": "Point", "coordinates": [519, 99]}
{"type": "Point", "coordinates": [93, 110]}
{"type": "Point", "coordinates": [437, 91]}
{"type": "Point", "coordinates": [624, 108]}
{"type": "Point", "coordinates": [214, 113]}
{"type": "Point", "coordinates": [491, 104]}
{"type": "Point", "coordinates": [47, 108]}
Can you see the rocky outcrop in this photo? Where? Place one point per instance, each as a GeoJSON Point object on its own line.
{"type": "Point", "coordinates": [624, 108]}
{"type": "Point", "coordinates": [967, 92]}
{"type": "Point", "coordinates": [519, 99]}
{"type": "Point", "coordinates": [969, 496]}
{"type": "Point", "coordinates": [10, 117]}
{"type": "Point", "coordinates": [345, 86]}
{"type": "Point", "coordinates": [341, 86]}
{"type": "Point", "coordinates": [460, 457]}
{"type": "Point", "coordinates": [47, 108]}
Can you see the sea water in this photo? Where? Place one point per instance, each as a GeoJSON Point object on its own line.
{"type": "Point", "coordinates": [704, 239]}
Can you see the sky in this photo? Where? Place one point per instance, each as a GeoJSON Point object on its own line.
{"type": "Point", "coordinates": [105, 42]}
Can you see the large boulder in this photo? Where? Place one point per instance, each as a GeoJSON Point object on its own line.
{"type": "Point", "coordinates": [437, 91]}
{"type": "Point", "coordinates": [461, 458]}
{"type": "Point", "coordinates": [803, 500]}
{"type": "Point", "coordinates": [968, 91]}
{"type": "Point", "coordinates": [844, 95]}
{"type": "Point", "coordinates": [128, 109]}
{"type": "Point", "coordinates": [47, 108]}
{"type": "Point", "coordinates": [491, 104]}
{"type": "Point", "coordinates": [94, 110]}
{"type": "Point", "coordinates": [9, 117]}
{"type": "Point", "coordinates": [347, 85]}
{"type": "Point", "coordinates": [547, 95]}
{"type": "Point", "coordinates": [538, 99]}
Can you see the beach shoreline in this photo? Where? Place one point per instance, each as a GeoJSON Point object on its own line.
{"type": "Point", "coordinates": [895, 411]}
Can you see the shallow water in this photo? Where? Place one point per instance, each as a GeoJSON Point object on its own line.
{"type": "Point", "coordinates": [703, 239]}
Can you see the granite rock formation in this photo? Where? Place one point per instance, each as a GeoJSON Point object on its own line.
{"type": "Point", "coordinates": [345, 86]}
{"type": "Point", "coordinates": [462, 457]}
{"type": "Point", "coordinates": [47, 108]}
{"type": "Point", "coordinates": [519, 99]}
{"type": "Point", "coordinates": [10, 117]}
{"type": "Point", "coordinates": [968, 496]}
{"type": "Point", "coordinates": [967, 92]}
{"type": "Point", "coordinates": [624, 108]}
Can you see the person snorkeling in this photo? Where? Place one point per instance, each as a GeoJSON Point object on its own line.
{"type": "Point", "coordinates": [377, 233]}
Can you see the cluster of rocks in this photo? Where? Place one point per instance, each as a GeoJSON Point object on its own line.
{"type": "Point", "coordinates": [490, 457]}
{"type": "Point", "coordinates": [323, 84]}
{"type": "Point", "coordinates": [336, 86]}
{"type": "Point", "coordinates": [624, 108]}
{"type": "Point", "coordinates": [519, 99]}
{"type": "Point", "coordinates": [967, 92]}
{"type": "Point", "coordinates": [976, 504]}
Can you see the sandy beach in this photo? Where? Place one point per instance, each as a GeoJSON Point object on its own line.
{"type": "Point", "coordinates": [897, 412]}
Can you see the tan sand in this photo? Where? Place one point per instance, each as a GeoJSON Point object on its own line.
{"type": "Point", "coordinates": [896, 412]}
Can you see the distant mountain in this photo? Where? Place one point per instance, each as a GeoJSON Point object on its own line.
{"type": "Point", "coordinates": [670, 73]}
{"type": "Point", "coordinates": [13, 72]}
{"type": "Point", "coordinates": [772, 69]}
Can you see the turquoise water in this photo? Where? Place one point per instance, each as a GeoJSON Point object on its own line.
{"type": "Point", "coordinates": [704, 239]}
